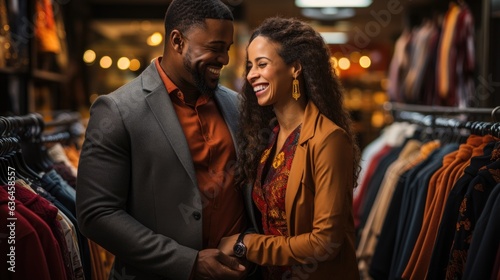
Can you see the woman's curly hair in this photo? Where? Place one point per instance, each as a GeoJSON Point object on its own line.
{"type": "Point", "coordinates": [298, 42]}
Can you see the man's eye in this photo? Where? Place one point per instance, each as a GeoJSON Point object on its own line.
{"type": "Point", "coordinates": [219, 50]}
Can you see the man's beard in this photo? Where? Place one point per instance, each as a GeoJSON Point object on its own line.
{"type": "Point", "coordinates": [198, 77]}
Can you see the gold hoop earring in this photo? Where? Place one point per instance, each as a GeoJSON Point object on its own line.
{"type": "Point", "coordinates": [295, 89]}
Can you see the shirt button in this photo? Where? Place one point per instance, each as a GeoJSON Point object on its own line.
{"type": "Point", "coordinates": [196, 215]}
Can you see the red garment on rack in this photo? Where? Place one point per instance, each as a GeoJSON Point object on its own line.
{"type": "Point", "coordinates": [35, 257]}
{"type": "Point", "coordinates": [363, 187]}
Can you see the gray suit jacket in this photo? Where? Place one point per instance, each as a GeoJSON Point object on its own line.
{"type": "Point", "coordinates": [137, 194]}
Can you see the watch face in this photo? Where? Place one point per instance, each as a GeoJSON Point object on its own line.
{"type": "Point", "coordinates": [239, 249]}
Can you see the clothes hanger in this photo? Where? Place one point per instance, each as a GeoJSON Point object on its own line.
{"type": "Point", "coordinates": [19, 128]}
{"type": "Point", "coordinates": [41, 159]}
{"type": "Point", "coordinates": [4, 167]}
{"type": "Point", "coordinates": [15, 159]}
{"type": "Point", "coordinates": [10, 162]}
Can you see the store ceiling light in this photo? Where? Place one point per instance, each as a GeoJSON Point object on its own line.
{"type": "Point", "coordinates": [123, 63]}
{"type": "Point", "coordinates": [332, 3]}
{"type": "Point", "coordinates": [155, 39]}
{"type": "Point", "coordinates": [105, 62]}
{"type": "Point", "coordinates": [328, 13]}
{"type": "Point", "coordinates": [334, 37]}
{"type": "Point", "coordinates": [365, 61]}
{"type": "Point", "coordinates": [135, 65]}
{"type": "Point", "coordinates": [344, 63]}
{"type": "Point", "coordinates": [89, 56]}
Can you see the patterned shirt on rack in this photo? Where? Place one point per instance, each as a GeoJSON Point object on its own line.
{"type": "Point", "coordinates": [471, 209]}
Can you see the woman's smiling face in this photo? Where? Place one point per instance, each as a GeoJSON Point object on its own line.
{"type": "Point", "coordinates": [269, 76]}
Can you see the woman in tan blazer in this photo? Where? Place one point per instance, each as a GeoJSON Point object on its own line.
{"type": "Point", "coordinates": [298, 160]}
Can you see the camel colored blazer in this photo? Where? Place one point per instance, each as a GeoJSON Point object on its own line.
{"type": "Point", "coordinates": [137, 193]}
{"type": "Point", "coordinates": [318, 204]}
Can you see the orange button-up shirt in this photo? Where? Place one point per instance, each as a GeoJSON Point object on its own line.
{"type": "Point", "coordinates": [213, 153]}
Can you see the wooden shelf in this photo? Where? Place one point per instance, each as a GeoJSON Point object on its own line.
{"type": "Point", "coordinates": [37, 74]}
{"type": "Point", "coordinates": [48, 76]}
{"type": "Point", "coordinates": [12, 70]}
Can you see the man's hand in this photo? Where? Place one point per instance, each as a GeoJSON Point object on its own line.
{"type": "Point", "coordinates": [214, 264]}
{"type": "Point", "coordinates": [227, 243]}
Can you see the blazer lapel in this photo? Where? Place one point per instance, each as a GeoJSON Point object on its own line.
{"type": "Point", "coordinates": [299, 162]}
{"type": "Point", "coordinates": [229, 109]}
{"type": "Point", "coordinates": [294, 180]}
{"type": "Point", "coordinates": [161, 106]}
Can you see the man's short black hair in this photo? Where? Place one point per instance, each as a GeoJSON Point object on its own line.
{"type": "Point", "coordinates": [184, 14]}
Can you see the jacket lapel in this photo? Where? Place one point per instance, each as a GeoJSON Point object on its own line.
{"type": "Point", "coordinates": [229, 108]}
{"type": "Point", "coordinates": [299, 162]}
{"type": "Point", "coordinates": [161, 106]}
{"type": "Point", "coordinates": [294, 180]}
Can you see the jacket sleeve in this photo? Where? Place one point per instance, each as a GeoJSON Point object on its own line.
{"type": "Point", "coordinates": [332, 175]}
{"type": "Point", "coordinates": [103, 186]}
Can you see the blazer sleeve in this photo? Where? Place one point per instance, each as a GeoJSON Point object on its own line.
{"type": "Point", "coordinates": [103, 185]}
{"type": "Point", "coordinates": [332, 174]}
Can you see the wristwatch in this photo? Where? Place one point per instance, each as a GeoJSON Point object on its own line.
{"type": "Point", "coordinates": [239, 249]}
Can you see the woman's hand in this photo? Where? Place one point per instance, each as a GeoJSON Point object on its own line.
{"type": "Point", "coordinates": [227, 243]}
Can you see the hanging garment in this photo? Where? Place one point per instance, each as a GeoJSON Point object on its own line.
{"type": "Point", "coordinates": [485, 242]}
{"type": "Point", "coordinates": [423, 49]}
{"type": "Point", "coordinates": [45, 28]}
{"type": "Point", "coordinates": [412, 214]}
{"type": "Point", "coordinates": [399, 66]}
{"type": "Point", "coordinates": [48, 213]}
{"type": "Point", "coordinates": [372, 228]}
{"type": "Point", "coordinates": [5, 42]}
{"type": "Point", "coordinates": [455, 63]}
{"type": "Point", "coordinates": [448, 225]}
{"type": "Point", "coordinates": [382, 256]}
{"type": "Point", "coordinates": [471, 209]}
{"type": "Point", "coordinates": [32, 235]}
{"type": "Point", "coordinates": [439, 187]}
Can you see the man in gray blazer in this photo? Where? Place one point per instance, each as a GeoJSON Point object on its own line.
{"type": "Point", "coordinates": [155, 180]}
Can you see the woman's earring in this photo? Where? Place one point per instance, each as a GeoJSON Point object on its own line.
{"type": "Point", "coordinates": [295, 88]}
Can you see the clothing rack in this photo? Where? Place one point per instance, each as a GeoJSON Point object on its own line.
{"type": "Point", "coordinates": [44, 179]}
{"type": "Point", "coordinates": [64, 126]}
{"type": "Point", "coordinates": [33, 125]}
{"type": "Point", "coordinates": [8, 145]}
{"type": "Point", "coordinates": [442, 110]}
{"type": "Point", "coordinates": [64, 119]}
{"type": "Point", "coordinates": [26, 135]}
{"type": "Point", "coordinates": [22, 126]}
{"type": "Point", "coordinates": [423, 209]}
{"type": "Point", "coordinates": [56, 137]}
{"type": "Point", "coordinates": [431, 116]}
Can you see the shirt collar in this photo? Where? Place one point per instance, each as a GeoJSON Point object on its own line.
{"type": "Point", "coordinates": [169, 85]}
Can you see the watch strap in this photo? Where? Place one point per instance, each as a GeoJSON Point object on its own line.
{"type": "Point", "coordinates": [241, 236]}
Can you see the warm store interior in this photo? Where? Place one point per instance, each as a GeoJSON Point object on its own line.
{"type": "Point", "coordinates": [411, 69]}
{"type": "Point", "coordinates": [105, 43]}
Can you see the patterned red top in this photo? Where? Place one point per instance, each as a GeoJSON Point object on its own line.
{"type": "Point", "coordinates": [270, 188]}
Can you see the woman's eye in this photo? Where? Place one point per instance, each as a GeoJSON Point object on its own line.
{"type": "Point", "coordinates": [262, 65]}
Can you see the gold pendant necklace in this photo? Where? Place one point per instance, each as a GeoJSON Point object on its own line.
{"type": "Point", "coordinates": [278, 160]}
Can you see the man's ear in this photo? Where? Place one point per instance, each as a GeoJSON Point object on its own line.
{"type": "Point", "coordinates": [176, 40]}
